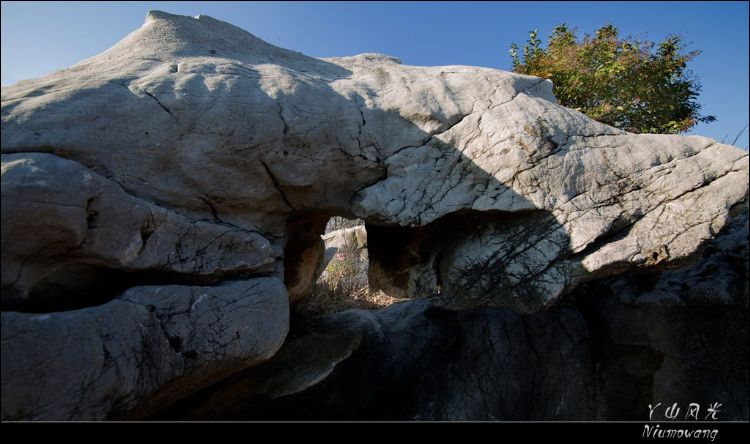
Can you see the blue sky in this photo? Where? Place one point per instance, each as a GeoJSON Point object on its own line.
{"type": "Point", "coordinates": [40, 37]}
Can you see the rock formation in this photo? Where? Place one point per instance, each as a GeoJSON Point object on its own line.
{"type": "Point", "coordinates": [352, 240]}
{"type": "Point", "coordinates": [162, 203]}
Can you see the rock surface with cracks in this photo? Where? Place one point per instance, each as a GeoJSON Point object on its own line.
{"type": "Point", "coordinates": [147, 348]}
{"type": "Point", "coordinates": [613, 346]}
{"type": "Point", "coordinates": [194, 154]}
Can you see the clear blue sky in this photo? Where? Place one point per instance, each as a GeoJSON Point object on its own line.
{"type": "Point", "coordinates": [38, 38]}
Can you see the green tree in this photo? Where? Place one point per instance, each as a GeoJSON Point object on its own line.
{"type": "Point", "coordinates": [629, 83]}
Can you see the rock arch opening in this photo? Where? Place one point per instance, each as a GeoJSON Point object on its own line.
{"type": "Point", "coordinates": [327, 265]}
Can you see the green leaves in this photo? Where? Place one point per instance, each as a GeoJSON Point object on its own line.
{"type": "Point", "coordinates": [628, 83]}
{"type": "Point", "coordinates": [514, 56]}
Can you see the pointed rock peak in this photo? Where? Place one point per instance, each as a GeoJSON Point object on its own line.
{"type": "Point", "coordinates": [199, 29]}
{"type": "Point", "coordinates": [153, 15]}
{"type": "Point", "coordinates": [164, 35]}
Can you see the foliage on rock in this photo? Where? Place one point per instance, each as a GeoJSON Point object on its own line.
{"type": "Point", "coordinates": [629, 83]}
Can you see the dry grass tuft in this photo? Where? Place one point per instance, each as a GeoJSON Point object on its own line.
{"type": "Point", "coordinates": [343, 286]}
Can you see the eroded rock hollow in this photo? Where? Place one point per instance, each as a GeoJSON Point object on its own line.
{"type": "Point", "coordinates": [164, 201]}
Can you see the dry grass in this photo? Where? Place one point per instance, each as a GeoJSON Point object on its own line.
{"type": "Point", "coordinates": [343, 286]}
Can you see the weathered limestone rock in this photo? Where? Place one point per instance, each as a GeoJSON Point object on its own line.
{"type": "Point", "coordinates": [304, 254]}
{"type": "Point", "coordinates": [149, 347]}
{"type": "Point", "coordinates": [637, 217]}
{"type": "Point", "coordinates": [63, 224]}
{"type": "Point", "coordinates": [192, 153]}
{"type": "Point", "coordinates": [252, 134]}
{"type": "Point", "coordinates": [414, 361]}
{"type": "Point", "coordinates": [610, 349]}
{"type": "Point", "coordinates": [351, 240]}
{"type": "Point", "coordinates": [695, 319]}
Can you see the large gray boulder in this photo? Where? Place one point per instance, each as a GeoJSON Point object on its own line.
{"type": "Point", "coordinates": [67, 228]}
{"type": "Point", "coordinates": [610, 349]}
{"type": "Point", "coordinates": [149, 347]}
{"type": "Point", "coordinates": [192, 153]}
{"type": "Point", "coordinates": [202, 118]}
{"type": "Point", "coordinates": [415, 361]}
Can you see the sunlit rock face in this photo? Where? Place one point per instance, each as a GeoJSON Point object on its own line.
{"type": "Point", "coordinates": [162, 202]}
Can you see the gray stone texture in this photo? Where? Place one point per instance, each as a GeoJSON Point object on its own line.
{"type": "Point", "coordinates": [163, 201]}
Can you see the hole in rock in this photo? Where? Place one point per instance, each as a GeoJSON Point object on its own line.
{"type": "Point", "coordinates": [332, 254]}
